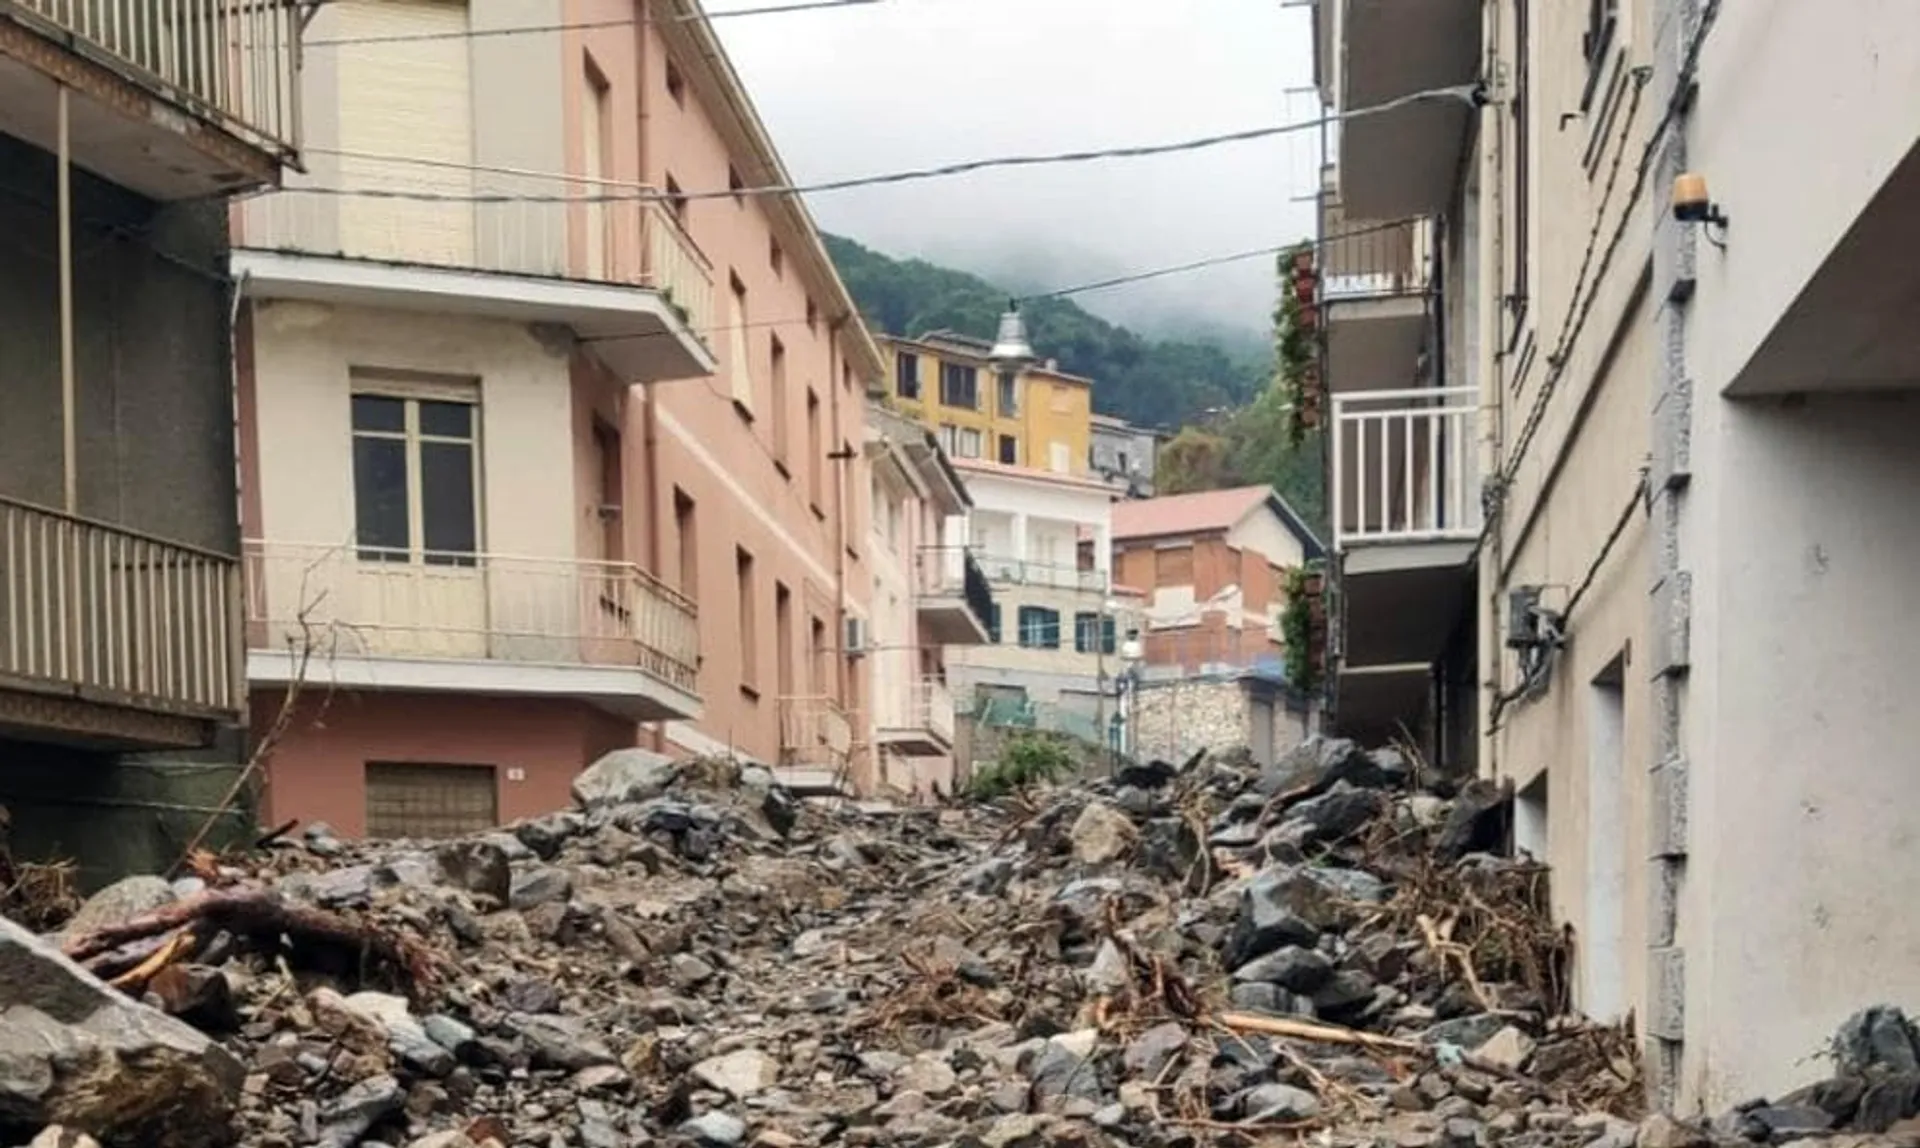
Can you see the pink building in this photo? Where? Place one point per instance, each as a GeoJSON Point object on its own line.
{"type": "Point", "coordinates": [549, 443]}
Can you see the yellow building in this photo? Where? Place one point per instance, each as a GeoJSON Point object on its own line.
{"type": "Point", "coordinates": [1040, 418]}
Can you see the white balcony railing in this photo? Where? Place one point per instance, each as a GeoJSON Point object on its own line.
{"type": "Point", "coordinates": [233, 62]}
{"type": "Point", "coordinates": [1405, 466]}
{"type": "Point", "coordinates": [117, 615]}
{"type": "Point", "coordinates": [486, 607]}
{"type": "Point", "coordinates": [924, 706]}
{"type": "Point", "coordinates": [814, 726]}
{"type": "Point", "coordinates": [1005, 569]}
{"type": "Point", "coordinates": [559, 231]}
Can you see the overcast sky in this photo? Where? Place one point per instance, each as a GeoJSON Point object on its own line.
{"type": "Point", "coordinates": [910, 83]}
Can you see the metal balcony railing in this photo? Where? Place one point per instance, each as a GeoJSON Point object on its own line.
{"type": "Point", "coordinates": [1376, 260]}
{"type": "Point", "coordinates": [478, 607]}
{"type": "Point", "coordinates": [122, 616]}
{"type": "Point", "coordinates": [927, 705]}
{"type": "Point", "coordinates": [234, 63]}
{"type": "Point", "coordinates": [953, 572]}
{"type": "Point", "coordinates": [563, 230]}
{"type": "Point", "coordinates": [1022, 572]}
{"type": "Point", "coordinates": [1404, 466]}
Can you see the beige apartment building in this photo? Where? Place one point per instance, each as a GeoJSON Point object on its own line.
{"type": "Point", "coordinates": [1686, 409]}
{"type": "Point", "coordinates": [550, 436]}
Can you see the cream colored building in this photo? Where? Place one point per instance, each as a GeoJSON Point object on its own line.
{"type": "Point", "coordinates": [1685, 623]}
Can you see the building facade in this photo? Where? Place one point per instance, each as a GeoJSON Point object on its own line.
{"type": "Point", "coordinates": [121, 684]}
{"type": "Point", "coordinates": [1692, 399]}
{"type": "Point", "coordinates": [543, 454]}
{"type": "Point", "coordinates": [1038, 417]}
{"type": "Point", "coordinates": [1124, 454]}
{"type": "Point", "coordinates": [929, 594]}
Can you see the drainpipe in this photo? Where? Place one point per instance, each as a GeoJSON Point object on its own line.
{"type": "Point", "coordinates": [842, 456]}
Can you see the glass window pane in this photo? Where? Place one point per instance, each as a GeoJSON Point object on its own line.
{"type": "Point", "coordinates": [449, 526]}
{"type": "Point", "coordinates": [379, 413]}
{"type": "Point", "coordinates": [450, 420]}
{"type": "Point", "coordinates": [380, 496]}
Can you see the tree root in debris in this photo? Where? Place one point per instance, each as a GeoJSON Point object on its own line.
{"type": "Point", "coordinates": [256, 914]}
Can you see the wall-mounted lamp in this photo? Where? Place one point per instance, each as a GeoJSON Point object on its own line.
{"type": "Point", "coordinates": [1692, 204]}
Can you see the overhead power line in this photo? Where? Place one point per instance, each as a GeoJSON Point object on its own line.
{"type": "Point", "coordinates": [1214, 261]}
{"type": "Point", "coordinates": [1467, 93]}
{"type": "Point", "coordinates": [579, 25]}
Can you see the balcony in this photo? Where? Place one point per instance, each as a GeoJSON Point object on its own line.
{"type": "Point", "coordinates": [953, 596]}
{"type": "Point", "coordinates": [918, 722]}
{"type": "Point", "coordinates": [1406, 513]}
{"type": "Point", "coordinates": [110, 637]}
{"type": "Point", "coordinates": [174, 99]}
{"type": "Point", "coordinates": [1401, 162]}
{"type": "Point", "coordinates": [603, 632]}
{"type": "Point", "coordinates": [1009, 571]}
{"type": "Point", "coordinates": [1378, 289]}
{"type": "Point", "coordinates": [816, 746]}
{"type": "Point", "coordinates": [623, 276]}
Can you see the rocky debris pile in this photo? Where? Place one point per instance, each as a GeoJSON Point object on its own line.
{"type": "Point", "coordinates": [1208, 952]}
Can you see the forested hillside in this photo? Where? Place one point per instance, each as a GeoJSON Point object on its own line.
{"type": "Point", "coordinates": [1156, 382]}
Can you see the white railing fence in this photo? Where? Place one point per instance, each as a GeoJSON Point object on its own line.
{"type": "Point", "coordinates": [1404, 465]}
{"type": "Point", "coordinates": [233, 61]}
{"type": "Point", "coordinates": [1057, 575]}
{"type": "Point", "coordinates": [547, 228]}
{"type": "Point", "coordinates": [341, 601]}
{"type": "Point", "coordinates": [925, 704]}
{"type": "Point", "coordinates": [137, 619]}
{"type": "Point", "coordinates": [813, 725]}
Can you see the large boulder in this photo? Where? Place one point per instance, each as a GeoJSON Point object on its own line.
{"type": "Point", "coordinates": [1267, 921]}
{"type": "Point", "coordinates": [1318, 763]}
{"type": "Point", "coordinates": [75, 1052]}
{"type": "Point", "coordinates": [625, 776]}
{"type": "Point", "coordinates": [120, 902]}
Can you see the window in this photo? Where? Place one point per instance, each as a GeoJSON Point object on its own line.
{"type": "Point", "coordinates": [818, 651]}
{"type": "Point", "coordinates": [1039, 628]}
{"type": "Point", "coordinates": [949, 438]}
{"type": "Point", "coordinates": [676, 84]}
{"type": "Point", "coordinates": [610, 511]}
{"type": "Point", "coordinates": [677, 201]}
{"type": "Point", "coordinates": [959, 386]}
{"type": "Point", "coordinates": [966, 443]}
{"type": "Point", "coordinates": [816, 452]}
{"type": "Point", "coordinates": [1173, 566]}
{"type": "Point", "coordinates": [777, 375]}
{"type": "Point", "coordinates": [1059, 457]}
{"type": "Point", "coordinates": [1009, 397]}
{"type": "Point", "coordinates": [685, 530]}
{"type": "Point", "coordinates": [1009, 450]}
{"type": "Point", "coordinates": [1090, 630]}
{"type": "Point", "coordinates": [783, 640]}
{"type": "Point", "coordinates": [416, 478]}
{"type": "Point", "coordinates": [993, 623]}
{"type": "Point", "coordinates": [749, 627]}
{"type": "Point", "coordinates": [776, 258]}
{"type": "Point", "coordinates": [906, 374]}
{"type": "Point", "coordinates": [739, 368]}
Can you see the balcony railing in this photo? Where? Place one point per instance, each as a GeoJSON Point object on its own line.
{"type": "Point", "coordinates": [1404, 466]}
{"type": "Point", "coordinates": [953, 572]}
{"type": "Point", "coordinates": [560, 231]}
{"type": "Point", "coordinates": [117, 616]}
{"type": "Point", "coordinates": [231, 62]}
{"type": "Point", "coordinates": [470, 607]}
{"type": "Point", "coordinates": [1376, 260]}
{"type": "Point", "coordinates": [927, 707]}
{"type": "Point", "coordinates": [1022, 572]}
{"type": "Point", "coordinates": [814, 728]}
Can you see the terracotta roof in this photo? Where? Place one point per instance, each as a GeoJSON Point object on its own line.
{"type": "Point", "coordinates": [1201, 513]}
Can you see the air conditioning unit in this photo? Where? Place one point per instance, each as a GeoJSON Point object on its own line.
{"type": "Point", "coordinates": [856, 643]}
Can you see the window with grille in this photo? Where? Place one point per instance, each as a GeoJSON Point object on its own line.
{"type": "Point", "coordinates": [411, 799]}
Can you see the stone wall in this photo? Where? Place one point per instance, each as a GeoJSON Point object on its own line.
{"type": "Point", "coordinates": [1171, 720]}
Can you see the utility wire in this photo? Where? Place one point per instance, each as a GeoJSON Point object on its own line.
{"type": "Point", "coordinates": [1215, 261]}
{"type": "Point", "coordinates": [1468, 93]}
{"type": "Point", "coordinates": [579, 25]}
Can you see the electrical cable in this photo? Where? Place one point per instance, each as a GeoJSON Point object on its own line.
{"type": "Point", "coordinates": [580, 25]}
{"type": "Point", "coordinates": [1470, 93]}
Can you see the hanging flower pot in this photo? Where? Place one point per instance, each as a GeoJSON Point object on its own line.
{"type": "Point", "coordinates": [1316, 585]}
{"type": "Point", "coordinates": [1303, 259]}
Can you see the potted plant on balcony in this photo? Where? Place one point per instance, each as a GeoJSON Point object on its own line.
{"type": "Point", "coordinates": [1296, 349]}
{"type": "Point", "coordinates": [1303, 627]}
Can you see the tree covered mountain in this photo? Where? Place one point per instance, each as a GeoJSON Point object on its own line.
{"type": "Point", "coordinates": [1154, 382]}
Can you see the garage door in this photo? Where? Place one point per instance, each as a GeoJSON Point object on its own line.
{"type": "Point", "coordinates": [411, 799]}
{"type": "Point", "coordinates": [405, 97]}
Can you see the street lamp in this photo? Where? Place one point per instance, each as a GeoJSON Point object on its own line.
{"type": "Point", "coordinates": [1011, 348]}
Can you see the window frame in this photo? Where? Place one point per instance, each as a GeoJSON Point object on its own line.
{"type": "Point", "coordinates": [411, 395]}
{"type": "Point", "coordinates": [1039, 628]}
{"type": "Point", "coordinates": [952, 376]}
{"type": "Point", "coordinates": [906, 375]}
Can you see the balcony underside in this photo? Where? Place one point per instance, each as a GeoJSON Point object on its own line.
{"type": "Point", "coordinates": [946, 621]}
{"type": "Point", "coordinates": [624, 691]}
{"type": "Point", "coordinates": [1403, 162]}
{"type": "Point", "coordinates": [914, 742]}
{"type": "Point", "coordinates": [1374, 343]}
{"type": "Point", "coordinates": [637, 333]}
{"type": "Point", "coordinates": [1851, 327]}
{"type": "Point", "coordinates": [34, 710]}
{"type": "Point", "coordinates": [1381, 704]}
{"type": "Point", "coordinates": [1400, 600]}
{"type": "Point", "coordinates": [117, 129]}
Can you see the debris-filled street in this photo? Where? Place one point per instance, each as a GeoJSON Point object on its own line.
{"type": "Point", "coordinates": [1204, 953]}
